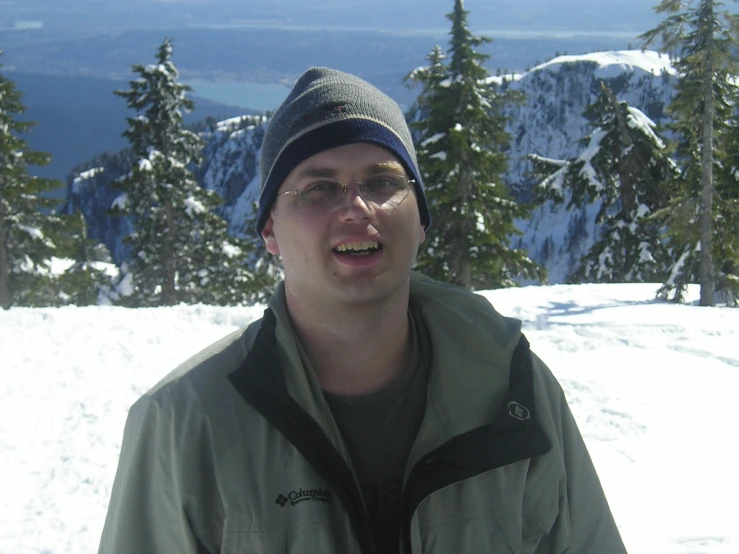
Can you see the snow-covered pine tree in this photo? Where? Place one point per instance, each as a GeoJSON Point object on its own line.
{"type": "Point", "coordinates": [460, 132]}
{"type": "Point", "coordinates": [180, 249]}
{"type": "Point", "coordinates": [726, 234]}
{"type": "Point", "coordinates": [88, 275]}
{"type": "Point", "coordinates": [702, 37]}
{"type": "Point", "coordinates": [622, 168]}
{"type": "Point", "coordinates": [31, 234]}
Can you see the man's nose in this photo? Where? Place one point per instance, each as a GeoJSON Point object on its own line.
{"type": "Point", "coordinates": [354, 205]}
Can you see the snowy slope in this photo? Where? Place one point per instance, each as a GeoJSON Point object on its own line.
{"type": "Point", "coordinates": [651, 385]}
{"type": "Point", "coordinates": [550, 124]}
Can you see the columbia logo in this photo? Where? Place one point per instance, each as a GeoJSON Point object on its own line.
{"type": "Point", "coordinates": [303, 495]}
{"type": "Point", "coordinates": [323, 113]}
{"type": "Point", "coordinates": [518, 411]}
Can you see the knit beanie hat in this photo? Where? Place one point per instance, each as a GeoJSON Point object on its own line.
{"type": "Point", "coordinates": [326, 109]}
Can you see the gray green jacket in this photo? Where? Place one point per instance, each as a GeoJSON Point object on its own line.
{"type": "Point", "coordinates": [236, 451]}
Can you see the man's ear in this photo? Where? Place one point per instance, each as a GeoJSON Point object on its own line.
{"type": "Point", "coordinates": [270, 240]}
{"type": "Point", "coordinates": [422, 236]}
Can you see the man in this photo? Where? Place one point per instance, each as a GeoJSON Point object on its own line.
{"type": "Point", "coordinates": [371, 410]}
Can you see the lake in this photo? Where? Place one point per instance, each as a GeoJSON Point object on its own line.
{"type": "Point", "coordinates": [257, 96]}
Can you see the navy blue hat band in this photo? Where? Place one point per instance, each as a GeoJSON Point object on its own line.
{"type": "Point", "coordinates": [339, 133]}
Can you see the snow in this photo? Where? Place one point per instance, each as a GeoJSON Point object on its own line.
{"type": "Point", "coordinates": [58, 266]}
{"type": "Point", "coordinates": [652, 386]}
{"type": "Point", "coordinates": [126, 287]}
{"type": "Point", "coordinates": [85, 175]}
{"type": "Point", "coordinates": [120, 202]}
{"type": "Point", "coordinates": [588, 171]}
{"type": "Point", "coordinates": [194, 206]}
{"type": "Point", "coordinates": [637, 120]}
{"type": "Point", "coordinates": [433, 139]}
{"type": "Point", "coordinates": [228, 125]}
{"type": "Point", "coordinates": [145, 165]}
{"type": "Point", "coordinates": [616, 62]}
{"type": "Point", "coordinates": [231, 250]}
{"type": "Point", "coordinates": [34, 232]}
{"type": "Point", "coordinates": [610, 64]}
{"type": "Point", "coordinates": [479, 222]}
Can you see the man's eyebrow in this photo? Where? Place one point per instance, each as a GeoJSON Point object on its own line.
{"type": "Point", "coordinates": [312, 172]}
{"type": "Point", "coordinates": [382, 167]}
{"type": "Point", "coordinates": [327, 172]}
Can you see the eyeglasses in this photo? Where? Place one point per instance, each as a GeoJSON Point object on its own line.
{"type": "Point", "coordinates": [385, 192]}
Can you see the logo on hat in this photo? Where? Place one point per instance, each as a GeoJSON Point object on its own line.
{"type": "Point", "coordinates": [328, 111]}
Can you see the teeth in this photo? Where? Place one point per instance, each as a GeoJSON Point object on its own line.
{"type": "Point", "coordinates": [358, 246]}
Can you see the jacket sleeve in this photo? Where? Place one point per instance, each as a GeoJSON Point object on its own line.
{"type": "Point", "coordinates": [147, 512]}
{"type": "Point", "coordinates": [585, 523]}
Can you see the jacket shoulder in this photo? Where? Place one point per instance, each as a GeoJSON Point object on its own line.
{"type": "Point", "coordinates": [208, 369]}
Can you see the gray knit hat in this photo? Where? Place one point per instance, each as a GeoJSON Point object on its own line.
{"type": "Point", "coordinates": [325, 109]}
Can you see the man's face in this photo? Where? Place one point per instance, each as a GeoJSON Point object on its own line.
{"type": "Point", "coordinates": [320, 250]}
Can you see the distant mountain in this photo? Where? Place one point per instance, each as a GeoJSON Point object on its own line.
{"type": "Point", "coordinates": [264, 54]}
{"type": "Point", "coordinates": [549, 123]}
{"type": "Point", "coordinates": [68, 84]}
{"type": "Point", "coordinates": [79, 117]}
{"type": "Point", "coordinates": [84, 17]}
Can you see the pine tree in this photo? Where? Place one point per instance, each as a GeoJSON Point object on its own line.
{"type": "Point", "coordinates": [623, 167]}
{"type": "Point", "coordinates": [30, 232]}
{"type": "Point", "coordinates": [702, 37]}
{"type": "Point", "coordinates": [727, 212]}
{"type": "Point", "coordinates": [266, 268]}
{"type": "Point", "coordinates": [91, 270]}
{"type": "Point", "coordinates": [460, 131]}
{"type": "Point", "coordinates": [180, 250]}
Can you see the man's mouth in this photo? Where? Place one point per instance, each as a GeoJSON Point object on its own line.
{"type": "Point", "coordinates": [358, 248]}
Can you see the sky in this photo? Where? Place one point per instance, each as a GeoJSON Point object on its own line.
{"type": "Point", "coordinates": [652, 387]}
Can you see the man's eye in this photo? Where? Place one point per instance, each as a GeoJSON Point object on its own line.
{"type": "Point", "coordinates": [382, 182]}
{"type": "Point", "coordinates": [321, 187]}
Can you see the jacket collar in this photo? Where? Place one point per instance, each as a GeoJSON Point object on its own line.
{"type": "Point", "coordinates": [462, 326]}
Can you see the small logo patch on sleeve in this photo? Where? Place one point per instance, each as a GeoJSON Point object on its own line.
{"type": "Point", "coordinates": [518, 411]}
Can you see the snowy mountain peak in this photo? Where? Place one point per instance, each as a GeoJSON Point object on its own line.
{"type": "Point", "coordinates": [616, 62]}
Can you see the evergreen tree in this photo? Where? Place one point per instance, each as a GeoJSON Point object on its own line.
{"type": "Point", "coordinates": [726, 251]}
{"type": "Point", "coordinates": [623, 167]}
{"type": "Point", "coordinates": [702, 37]}
{"type": "Point", "coordinates": [266, 269]}
{"type": "Point", "coordinates": [30, 232]}
{"type": "Point", "coordinates": [89, 274]}
{"type": "Point", "coordinates": [180, 250]}
{"type": "Point", "coordinates": [460, 131]}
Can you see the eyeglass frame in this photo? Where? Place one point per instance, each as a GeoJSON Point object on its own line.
{"type": "Point", "coordinates": [345, 186]}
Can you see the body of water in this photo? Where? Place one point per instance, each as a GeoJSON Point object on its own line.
{"type": "Point", "coordinates": [256, 96]}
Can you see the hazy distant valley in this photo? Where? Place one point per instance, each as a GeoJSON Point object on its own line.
{"type": "Point", "coordinates": [68, 83]}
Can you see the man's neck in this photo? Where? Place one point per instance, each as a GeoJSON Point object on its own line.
{"type": "Point", "coordinates": [355, 350]}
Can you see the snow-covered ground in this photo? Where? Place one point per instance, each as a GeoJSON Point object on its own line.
{"type": "Point", "coordinates": [653, 387]}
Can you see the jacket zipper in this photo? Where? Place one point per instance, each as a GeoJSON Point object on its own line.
{"type": "Point", "coordinates": [266, 392]}
{"type": "Point", "coordinates": [405, 533]}
{"type": "Point", "coordinates": [356, 497]}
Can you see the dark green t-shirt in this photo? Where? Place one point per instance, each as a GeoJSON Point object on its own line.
{"type": "Point", "coordinates": [379, 430]}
